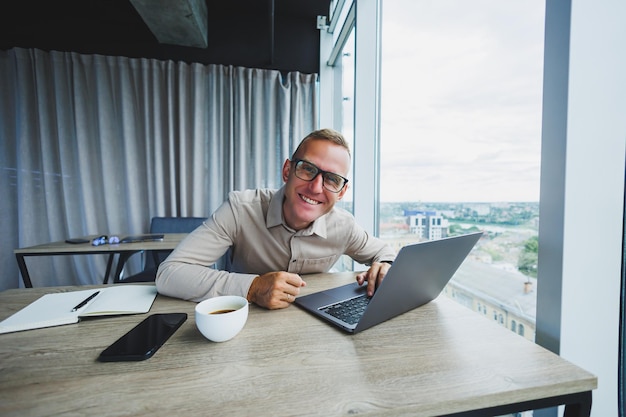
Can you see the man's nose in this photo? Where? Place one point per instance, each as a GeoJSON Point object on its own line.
{"type": "Point", "coordinates": [317, 183]}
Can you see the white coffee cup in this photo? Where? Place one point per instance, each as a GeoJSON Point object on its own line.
{"type": "Point", "coordinates": [221, 318]}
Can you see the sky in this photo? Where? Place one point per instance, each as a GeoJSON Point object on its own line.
{"type": "Point", "coordinates": [461, 100]}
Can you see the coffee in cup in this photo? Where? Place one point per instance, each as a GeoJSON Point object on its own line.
{"type": "Point", "coordinates": [221, 318]}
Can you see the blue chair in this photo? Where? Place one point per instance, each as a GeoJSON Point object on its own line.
{"type": "Point", "coordinates": [153, 259]}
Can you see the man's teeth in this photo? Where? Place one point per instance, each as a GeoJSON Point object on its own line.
{"type": "Point", "coordinates": [308, 200]}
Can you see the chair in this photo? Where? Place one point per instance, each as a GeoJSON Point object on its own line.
{"type": "Point", "coordinates": [154, 259]}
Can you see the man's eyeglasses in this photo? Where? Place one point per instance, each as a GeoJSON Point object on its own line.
{"type": "Point", "coordinates": [308, 172]}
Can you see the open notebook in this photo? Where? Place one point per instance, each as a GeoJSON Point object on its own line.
{"type": "Point", "coordinates": [60, 308]}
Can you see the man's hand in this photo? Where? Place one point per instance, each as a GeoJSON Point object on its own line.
{"type": "Point", "coordinates": [275, 289]}
{"type": "Point", "coordinates": [373, 276]}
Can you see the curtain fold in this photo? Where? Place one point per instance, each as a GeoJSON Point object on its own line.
{"type": "Point", "coordinates": [95, 144]}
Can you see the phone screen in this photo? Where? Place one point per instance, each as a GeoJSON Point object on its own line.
{"type": "Point", "coordinates": [143, 340]}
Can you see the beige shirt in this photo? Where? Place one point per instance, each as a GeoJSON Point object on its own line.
{"type": "Point", "coordinates": [251, 224]}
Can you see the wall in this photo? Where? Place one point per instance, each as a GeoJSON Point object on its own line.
{"type": "Point", "coordinates": [271, 34]}
{"type": "Point", "coordinates": [583, 162]}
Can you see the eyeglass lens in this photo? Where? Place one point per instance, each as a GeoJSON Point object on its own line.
{"type": "Point", "coordinates": [307, 171]}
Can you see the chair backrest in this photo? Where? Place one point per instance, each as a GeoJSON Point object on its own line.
{"type": "Point", "coordinates": [170, 225]}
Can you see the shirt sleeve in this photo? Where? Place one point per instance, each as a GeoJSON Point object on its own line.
{"type": "Point", "coordinates": [189, 272]}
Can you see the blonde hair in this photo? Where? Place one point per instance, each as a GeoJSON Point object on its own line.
{"type": "Point", "coordinates": [324, 134]}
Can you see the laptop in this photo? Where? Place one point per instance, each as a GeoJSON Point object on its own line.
{"type": "Point", "coordinates": [142, 238]}
{"type": "Point", "coordinates": [417, 276]}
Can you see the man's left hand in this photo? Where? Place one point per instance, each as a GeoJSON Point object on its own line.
{"type": "Point", "coordinates": [373, 276]}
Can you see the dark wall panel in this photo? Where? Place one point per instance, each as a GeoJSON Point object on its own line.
{"type": "Point", "coordinates": [274, 34]}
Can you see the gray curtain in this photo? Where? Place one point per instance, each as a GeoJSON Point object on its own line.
{"type": "Point", "coordinates": [94, 144]}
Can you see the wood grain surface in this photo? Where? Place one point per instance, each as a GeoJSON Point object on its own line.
{"type": "Point", "coordinates": [438, 359]}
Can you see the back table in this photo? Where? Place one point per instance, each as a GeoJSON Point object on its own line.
{"type": "Point", "coordinates": [124, 250]}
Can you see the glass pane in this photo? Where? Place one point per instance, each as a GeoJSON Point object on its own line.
{"type": "Point", "coordinates": [346, 66]}
{"type": "Point", "coordinates": [460, 142]}
{"type": "Point", "coordinates": [347, 109]}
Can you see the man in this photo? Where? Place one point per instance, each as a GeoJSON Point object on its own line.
{"type": "Point", "coordinates": [276, 235]}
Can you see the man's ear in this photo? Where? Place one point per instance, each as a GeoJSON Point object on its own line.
{"type": "Point", "coordinates": [286, 169]}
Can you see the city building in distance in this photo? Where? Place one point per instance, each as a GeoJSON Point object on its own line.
{"type": "Point", "coordinates": [489, 281]}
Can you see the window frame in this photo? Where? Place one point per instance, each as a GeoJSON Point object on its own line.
{"type": "Point", "coordinates": [570, 113]}
{"type": "Point", "coordinates": [345, 16]}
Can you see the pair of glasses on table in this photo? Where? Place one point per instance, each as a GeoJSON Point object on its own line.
{"type": "Point", "coordinates": [103, 240]}
{"type": "Point", "coordinates": [308, 172]}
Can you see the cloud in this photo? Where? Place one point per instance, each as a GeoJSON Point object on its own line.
{"type": "Point", "coordinates": [461, 100]}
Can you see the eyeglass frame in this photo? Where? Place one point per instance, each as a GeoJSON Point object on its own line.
{"type": "Point", "coordinates": [296, 161]}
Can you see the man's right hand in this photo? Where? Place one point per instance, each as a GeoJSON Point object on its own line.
{"type": "Point", "coordinates": [275, 289]}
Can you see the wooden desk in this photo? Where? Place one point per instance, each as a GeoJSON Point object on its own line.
{"type": "Point", "coordinates": [124, 250]}
{"type": "Point", "coordinates": [440, 359]}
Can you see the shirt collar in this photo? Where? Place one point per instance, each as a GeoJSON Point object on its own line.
{"type": "Point", "coordinates": [275, 217]}
{"type": "Point", "coordinates": [275, 210]}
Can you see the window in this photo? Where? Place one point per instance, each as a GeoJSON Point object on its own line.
{"type": "Point", "coordinates": [337, 88]}
{"type": "Point", "coordinates": [460, 135]}
{"type": "Point", "coordinates": [346, 66]}
{"type": "Point", "coordinates": [347, 108]}
{"type": "Point", "coordinates": [458, 144]}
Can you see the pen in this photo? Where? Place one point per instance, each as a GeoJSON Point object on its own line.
{"type": "Point", "coordinates": [85, 301]}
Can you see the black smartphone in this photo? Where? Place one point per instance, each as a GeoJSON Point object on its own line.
{"type": "Point", "coordinates": [143, 340]}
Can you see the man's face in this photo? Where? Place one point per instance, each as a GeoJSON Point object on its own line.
{"type": "Point", "coordinates": [305, 201]}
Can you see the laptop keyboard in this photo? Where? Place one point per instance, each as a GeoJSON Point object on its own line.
{"type": "Point", "coordinates": [350, 311]}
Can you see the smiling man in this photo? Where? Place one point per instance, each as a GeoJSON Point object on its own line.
{"type": "Point", "coordinates": [275, 236]}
